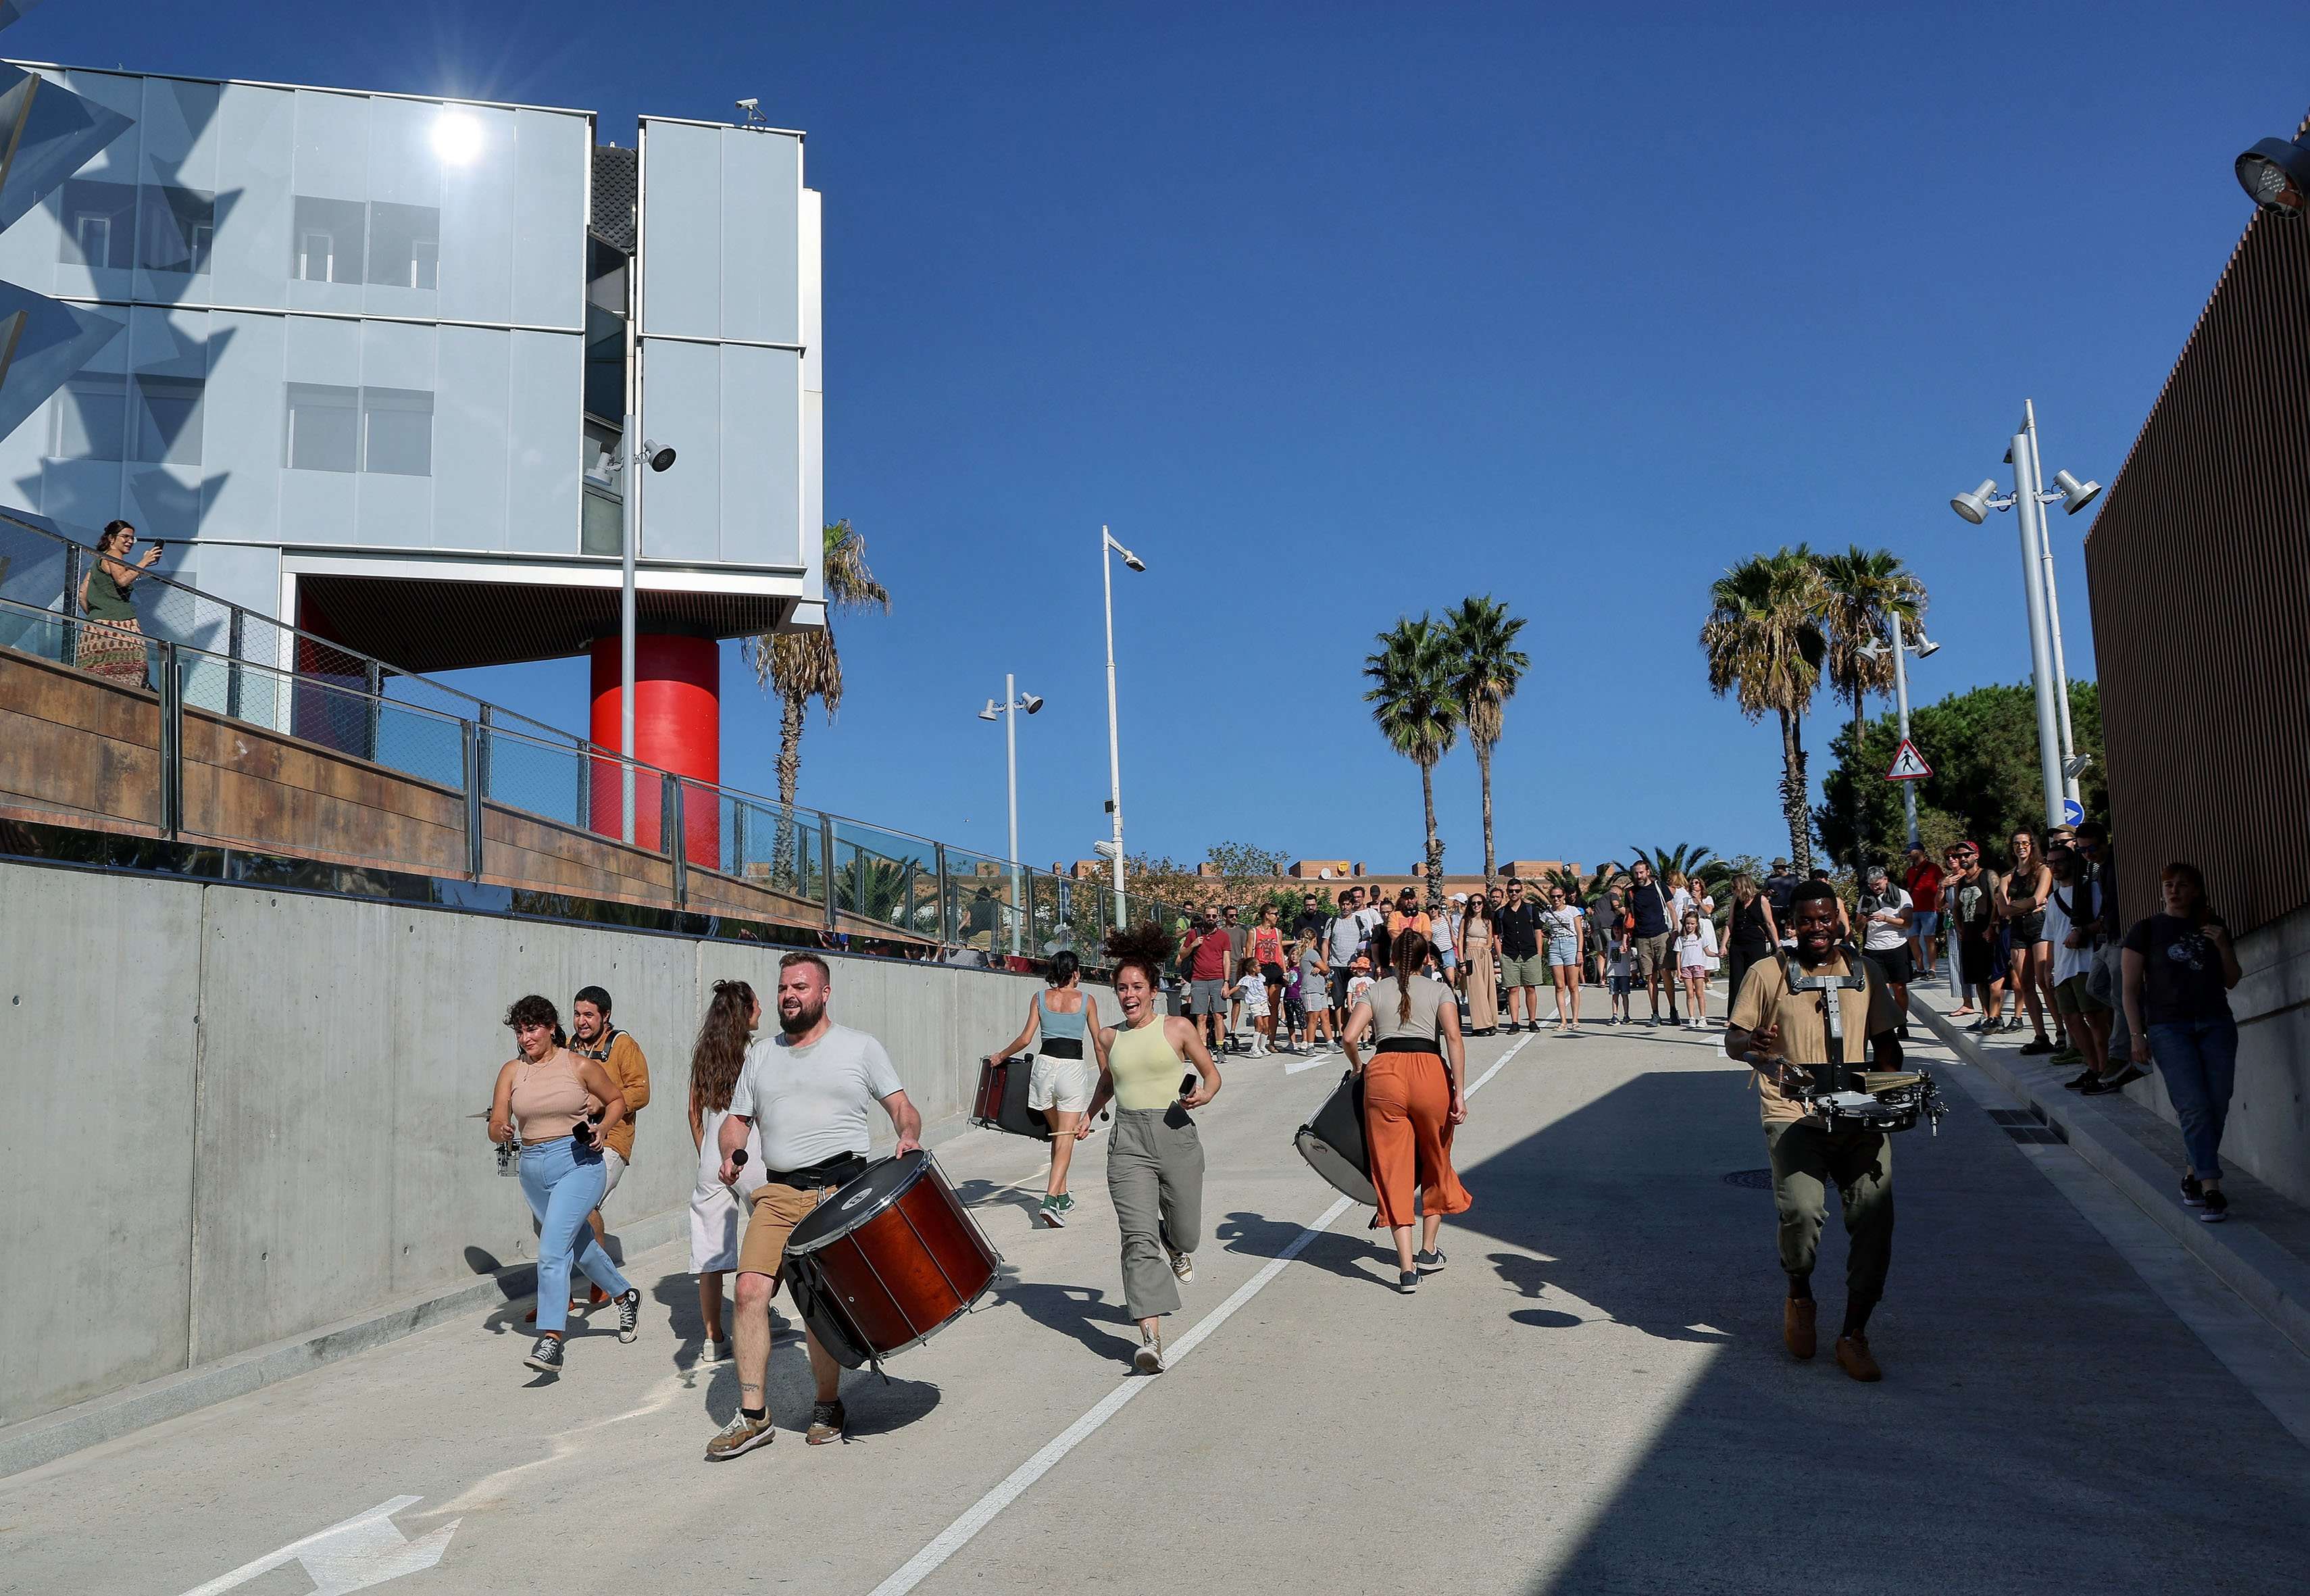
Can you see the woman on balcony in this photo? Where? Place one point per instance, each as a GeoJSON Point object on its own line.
{"type": "Point", "coordinates": [113, 645]}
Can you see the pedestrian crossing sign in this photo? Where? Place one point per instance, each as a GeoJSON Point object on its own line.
{"type": "Point", "coordinates": [1908, 764]}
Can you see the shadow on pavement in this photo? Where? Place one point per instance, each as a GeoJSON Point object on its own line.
{"type": "Point", "coordinates": [977, 1192]}
{"type": "Point", "coordinates": [1341, 1253]}
{"type": "Point", "coordinates": [1079, 1313]}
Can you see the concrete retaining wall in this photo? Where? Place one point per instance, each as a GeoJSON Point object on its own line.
{"type": "Point", "coordinates": [239, 1115]}
{"type": "Point", "coordinates": [2269, 1127]}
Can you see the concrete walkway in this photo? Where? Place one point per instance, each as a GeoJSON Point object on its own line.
{"type": "Point", "coordinates": [1592, 1398]}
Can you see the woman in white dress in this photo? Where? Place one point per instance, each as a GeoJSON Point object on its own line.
{"type": "Point", "coordinates": [716, 1214]}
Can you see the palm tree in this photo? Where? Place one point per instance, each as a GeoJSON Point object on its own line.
{"type": "Point", "coordinates": [1862, 591]}
{"type": "Point", "coordinates": [1765, 645]}
{"type": "Point", "coordinates": [802, 665]}
{"type": "Point", "coordinates": [1412, 699]}
{"type": "Point", "coordinates": [1483, 636]}
{"type": "Point", "coordinates": [1698, 864]}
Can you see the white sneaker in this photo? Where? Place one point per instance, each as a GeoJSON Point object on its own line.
{"type": "Point", "coordinates": [1183, 1264]}
{"type": "Point", "coordinates": [1149, 1358]}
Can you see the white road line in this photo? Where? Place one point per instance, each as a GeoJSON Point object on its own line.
{"type": "Point", "coordinates": [981, 1512]}
{"type": "Point", "coordinates": [364, 1550]}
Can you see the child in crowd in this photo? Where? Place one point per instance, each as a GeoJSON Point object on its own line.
{"type": "Point", "coordinates": [1251, 991]}
{"type": "Point", "coordinates": [1692, 951]}
{"type": "Point", "coordinates": [1618, 964]}
{"type": "Point", "coordinates": [1360, 979]}
{"type": "Point", "coordinates": [1315, 990]}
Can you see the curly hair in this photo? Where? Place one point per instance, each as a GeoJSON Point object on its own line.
{"type": "Point", "coordinates": [720, 1051]}
{"type": "Point", "coordinates": [534, 1010]}
{"type": "Point", "coordinates": [1146, 945]}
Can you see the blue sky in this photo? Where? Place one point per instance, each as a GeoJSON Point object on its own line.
{"type": "Point", "coordinates": [1337, 312]}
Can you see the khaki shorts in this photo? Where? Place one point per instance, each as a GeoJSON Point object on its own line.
{"type": "Point", "coordinates": [777, 1210]}
{"type": "Point", "coordinates": [1652, 954]}
{"type": "Point", "coordinates": [1524, 972]}
{"type": "Point", "coordinates": [2071, 997]}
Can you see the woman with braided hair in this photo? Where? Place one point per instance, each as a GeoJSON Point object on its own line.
{"type": "Point", "coordinates": [1155, 1156]}
{"type": "Point", "coordinates": [1413, 1099]}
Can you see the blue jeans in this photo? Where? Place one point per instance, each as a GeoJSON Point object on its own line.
{"type": "Point", "coordinates": [563, 1182]}
{"type": "Point", "coordinates": [2199, 1060]}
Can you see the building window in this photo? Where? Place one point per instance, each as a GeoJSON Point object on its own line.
{"type": "Point", "coordinates": [169, 420]}
{"type": "Point", "coordinates": [324, 432]}
{"type": "Point", "coordinates": [325, 243]}
{"type": "Point", "coordinates": [339, 429]}
{"type": "Point", "coordinates": [405, 245]}
{"type": "Point", "coordinates": [176, 227]}
{"type": "Point", "coordinates": [99, 224]}
{"type": "Point", "coordinates": [90, 419]}
{"type": "Point", "coordinates": [397, 432]}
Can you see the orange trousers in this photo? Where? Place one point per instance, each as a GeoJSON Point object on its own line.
{"type": "Point", "coordinates": [1407, 1127]}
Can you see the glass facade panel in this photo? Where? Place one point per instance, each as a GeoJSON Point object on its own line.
{"type": "Point", "coordinates": [324, 428]}
{"type": "Point", "coordinates": [397, 432]}
{"type": "Point", "coordinates": [100, 223]}
{"type": "Point", "coordinates": [177, 228]}
{"type": "Point", "coordinates": [327, 241]}
{"type": "Point", "coordinates": [169, 420]}
{"type": "Point", "coordinates": [90, 419]}
{"type": "Point", "coordinates": [405, 245]}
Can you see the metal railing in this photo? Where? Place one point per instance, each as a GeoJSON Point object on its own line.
{"type": "Point", "coordinates": [225, 660]}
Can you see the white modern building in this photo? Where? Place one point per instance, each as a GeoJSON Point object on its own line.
{"type": "Point", "coordinates": [373, 354]}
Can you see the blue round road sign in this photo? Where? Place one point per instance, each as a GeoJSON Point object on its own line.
{"type": "Point", "coordinates": [2073, 811]}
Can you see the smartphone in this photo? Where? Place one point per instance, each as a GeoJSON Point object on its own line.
{"type": "Point", "coordinates": [1187, 1085]}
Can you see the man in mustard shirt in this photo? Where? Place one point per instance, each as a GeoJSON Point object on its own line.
{"type": "Point", "coordinates": [1782, 1017]}
{"type": "Point", "coordinates": [595, 1038]}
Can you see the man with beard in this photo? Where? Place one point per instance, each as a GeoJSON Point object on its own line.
{"type": "Point", "coordinates": [807, 1088]}
{"type": "Point", "coordinates": [593, 1036]}
{"type": "Point", "coordinates": [1782, 1025]}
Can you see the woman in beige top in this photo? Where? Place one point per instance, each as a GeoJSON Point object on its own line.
{"type": "Point", "coordinates": [1412, 1101]}
{"type": "Point", "coordinates": [562, 1103]}
{"type": "Point", "coordinates": [1482, 974]}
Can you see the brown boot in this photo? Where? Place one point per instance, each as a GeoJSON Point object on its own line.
{"type": "Point", "coordinates": [1796, 1327]}
{"type": "Point", "coordinates": [1853, 1358]}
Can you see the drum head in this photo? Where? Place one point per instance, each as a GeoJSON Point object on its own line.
{"type": "Point", "coordinates": [1346, 1176]}
{"type": "Point", "coordinates": [853, 1204]}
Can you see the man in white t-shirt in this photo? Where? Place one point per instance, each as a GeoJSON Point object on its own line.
{"type": "Point", "coordinates": [1885, 911]}
{"type": "Point", "coordinates": [807, 1088]}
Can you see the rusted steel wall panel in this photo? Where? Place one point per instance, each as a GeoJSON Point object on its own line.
{"type": "Point", "coordinates": [2198, 566]}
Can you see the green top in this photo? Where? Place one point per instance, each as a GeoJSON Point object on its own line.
{"type": "Point", "coordinates": [107, 599]}
{"type": "Point", "coordinates": [1145, 1068]}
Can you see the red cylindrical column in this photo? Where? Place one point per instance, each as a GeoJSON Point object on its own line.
{"type": "Point", "coordinates": [677, 728]}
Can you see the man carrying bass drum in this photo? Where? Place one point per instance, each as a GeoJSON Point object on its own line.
{"type": "Point", "coordinates": [1413, 1100]}
{"type": "Point", "coordinates": [807, 1088]}
{"type": "Point", "coordinates": [1155, 1156]}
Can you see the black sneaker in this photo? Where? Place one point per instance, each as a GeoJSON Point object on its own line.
{"type": "Point", "coordinates": [2102, 1085]}
{"type": "Point", "coordinates": [1407, 1281]}
{"type": "Point", "coordinates": [1428, 1263]}
{"type": "Point", "coordinates": [545, 1355]}
{"type": "Point", "coordinates": [630, 1314]}
{"type": "Point", "coordinates": [2193, 1194]}
{"type": "Point", "coordinates": [2126, 1074]}
{"type": "Point", "coordinates": [2084, 1077]}
{"type": "Point", "coordinates": [2037, 1046]}
{"type": "Point", "coordinates": [2217, 1207]}
{"type": "Point", "coordinates": [826, 1422]}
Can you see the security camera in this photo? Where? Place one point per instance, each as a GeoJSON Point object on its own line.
{"type": "Point", "coordinates": [658, 457]}
{"type": "Point", "coordinates": [2075, 765]}
{"type": "Point", "coordinates": [749, 106]}
{"type": "Point", "coordinates": [1104, 849]}
{"type": "Point", "coordinates": [1029, 703]}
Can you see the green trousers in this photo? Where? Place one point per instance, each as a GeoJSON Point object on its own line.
{"type": "Point", "coordinates": [1807, 1160]}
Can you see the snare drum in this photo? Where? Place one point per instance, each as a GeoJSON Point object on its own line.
{"type": "Point", "coordinates": [1332, 1142]}
{"type": "Point", "coordinates": [887, 1262]}
{"type": "Point", "coordinates": [1001, 1104]}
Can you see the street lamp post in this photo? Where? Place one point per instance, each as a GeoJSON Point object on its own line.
{"type": "Point", "coordinates": [1108, 545]}
{"type": "Point", "coordinates": [2057, 767]}
{"type": "Point", "coordinates": [631, 452]}
{"type": "Point", "coordinates": [1007, 712]}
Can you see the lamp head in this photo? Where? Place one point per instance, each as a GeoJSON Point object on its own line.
{"type": "Point", "coordinates": [1926, 647]}
{"type": "Point", "coordinates": [1133, 561]}
{"type": "Point", "coordinates": [1974, 505]}
{"type": "Point", "coordinates": [2079, 494]}
{"type": "Point", "coordinates": [990, 712]}
{"type": "Point", "coordinates": [1031, 703]}
{"type": "Point", "coordinates": [1872, 650]}
{"type": "Point", "coordinates": [2276, 175]}
{"type": "Point", "coordinates": [658, 457]}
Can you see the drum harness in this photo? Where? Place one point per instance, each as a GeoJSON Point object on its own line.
{"type": "Point", "coordinates": [1896, 1106]}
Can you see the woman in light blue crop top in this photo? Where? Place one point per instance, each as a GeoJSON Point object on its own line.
{"type": "Point", "coordinates": [1061, 1085]}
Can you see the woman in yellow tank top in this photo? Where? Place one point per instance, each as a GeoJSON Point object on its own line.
{"type": "Point", "coordinates": [1155, 1158]}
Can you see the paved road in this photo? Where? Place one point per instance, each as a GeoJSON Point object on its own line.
{"type": "Point", "coordinates": [1592, 1398]}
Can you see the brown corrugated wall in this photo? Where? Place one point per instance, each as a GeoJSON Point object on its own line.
{"type": "Point", "coordinates": [2198, 566]}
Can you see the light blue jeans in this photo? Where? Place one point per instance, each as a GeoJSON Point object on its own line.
{"type": "Point", "coordinates": [2199, 1061]}
{"type": "Point", "coordinates": [563, 1182]}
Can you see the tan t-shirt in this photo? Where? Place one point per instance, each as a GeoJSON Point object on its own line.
{"type": "Point", "coordinates": [1765, 998]}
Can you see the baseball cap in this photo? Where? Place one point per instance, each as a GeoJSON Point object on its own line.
{"type": "Point", "coordinates": [1459, 898]}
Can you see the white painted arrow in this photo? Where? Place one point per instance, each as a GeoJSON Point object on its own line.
{"type": "Point", "coordinates": [364, 1550]}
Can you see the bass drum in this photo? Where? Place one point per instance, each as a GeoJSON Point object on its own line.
{"type": "Point", "coordinates": [887, 1261]}
{"type": "Point", "coordinates": [1332, 1142]}
{"type": "Point", "coordinates": [1001, 1104]}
